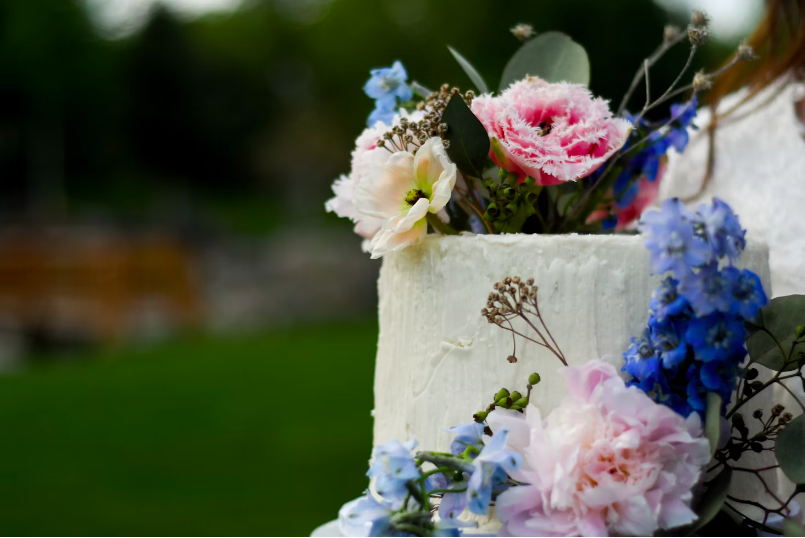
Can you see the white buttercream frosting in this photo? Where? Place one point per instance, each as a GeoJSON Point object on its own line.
{"type": "Point", "coordinates": [439, 360]}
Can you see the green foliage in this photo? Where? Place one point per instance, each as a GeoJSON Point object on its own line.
{"type": "Point", "coordinates": [712, 500]}
{"type": "Point", "coordinates": [789, 450]}
{"type": "Point", "coordinates": [712, 421]}
{"type": "Point", "coordinates": [552, 56]}
{"type": "Point", "coordinates": [780, 317]}
{"type": "Point", "coordinates": [468, 68]}
{"type": "Point", "coordinates": [469, 143]}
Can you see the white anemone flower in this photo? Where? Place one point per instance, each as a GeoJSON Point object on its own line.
{"type": "Point", "coordinates": [403, 191]}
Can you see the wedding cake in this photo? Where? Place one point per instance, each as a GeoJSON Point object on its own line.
{"type": "Point", "coordinates": [439, 360]}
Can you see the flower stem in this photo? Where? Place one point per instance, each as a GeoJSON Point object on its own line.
{"type": "Point", "coordinates": [441, 227]}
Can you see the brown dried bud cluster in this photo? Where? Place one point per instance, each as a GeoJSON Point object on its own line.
{"type": "Point", "coordinates": [522, 31]}
{"type": "Point", "coordinates": [702, 81]}
{"type": "Point", "coordinates": [410, 135]}
{"type": "Point", "coordinates": [508, 299]}
{"type": "Point", "coordinates": [698, 35]}
{"type": "Point", "coordinates": [670, 32]}
{"type": "Point", "coordinates": [745, 53]}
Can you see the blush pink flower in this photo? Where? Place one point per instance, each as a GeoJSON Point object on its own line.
{"type": "Point", "coordinates": [646, 194]}
{"type": "Point", "coordinates": [551, 132]}
{"type": "Point", "coordinates": [365, 157]}
{"type": "Point", "coordinates": [607, 461]}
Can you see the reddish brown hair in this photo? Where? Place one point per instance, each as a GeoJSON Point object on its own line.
{"type": "Point", "coordinates": [779, 41]}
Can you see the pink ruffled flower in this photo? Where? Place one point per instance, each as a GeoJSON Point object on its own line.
{"type": "Point", "coordinates": [551, 132]}
{"type": "Point", "coordinates": [365, 157]}
{"type": "Point", "coordinates": [607, 461]}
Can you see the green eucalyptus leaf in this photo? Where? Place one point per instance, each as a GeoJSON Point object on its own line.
{"type": "Point", "coordinates": [551, 56]}
{"type": "Point", "coordinates": [792, 527]}
{"type": "Point", "coordinates": [712, 421]}
{"type": "Point", "coordinates": [475, 77]}
{"type": "Point", "coordinates": [780, 317]}
{"type": "Point", "coordinates": [788, 450]}
{"type": "Point", "coordinates": [469, 143]}
{"type": "Point", "coordinates": [712, 500]}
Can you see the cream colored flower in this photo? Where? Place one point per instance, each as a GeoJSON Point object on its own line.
{"type": "Point", "coordinates": [403, 191]}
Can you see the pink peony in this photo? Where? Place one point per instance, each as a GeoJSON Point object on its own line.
{"type": "Point", "coordinates": [608, 460]}
{"type": "Point", "coordinates": [551, 132]}
{"type": "Point", "coordinates": [365, 157]}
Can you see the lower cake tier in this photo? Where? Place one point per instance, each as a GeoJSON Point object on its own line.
{"type": "Point", "coordinates": [439, 360]}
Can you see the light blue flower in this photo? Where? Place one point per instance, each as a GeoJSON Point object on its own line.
{"type": "Point", "coordinates": [717, 337]}
{"type": "Point", "coordinates": [469, 434]}
{"type": "Point", "coordinates": [388, 84]}
{"type": "Point", "coordinates": [392, 465]}
{"type": "Point", "coordinates": [747, 293]}
{"type": "Point", "coordinates": [666, 300]}
{"type": "Point", "coordinates": [669, 237]}
{"type": "Point", "coordinates": [491, 468]}
{"type": "Point", "coordinates": [642, 362]}
{"type": "Point", "coordinates": [722, 229]}
{"type": "Point", "coordinates": [708, 290]}
{"type": "Point", "coordinates": [382, 115]}
{"type": "Point", "coordinates": [361, 516]}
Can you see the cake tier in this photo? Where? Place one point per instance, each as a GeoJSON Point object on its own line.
{"type": "Point", "coordinates": [439, 360]}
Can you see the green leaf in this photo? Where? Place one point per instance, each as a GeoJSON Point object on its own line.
{"type": "Point", "coordinates": [469, 143]}
{"type": "Point", "coordinates": [712, 421]}
{"type": "Point", "coordinates": [780, 317]}
{"type": "Point", "coordinates": [788, 450]}
{"type": "Point", "coordinates": [551, 56]}
{"type": "Point", "coordinates": [792, 528]}
{"type": "Point", "coordinates": [475, 77]}
{"type": "Point", "coordinates": [712, 500]}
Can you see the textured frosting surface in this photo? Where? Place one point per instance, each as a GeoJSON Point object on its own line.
{"type": "Point", "coordinates": [439, 360]}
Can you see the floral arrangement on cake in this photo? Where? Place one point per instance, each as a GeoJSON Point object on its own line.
{"type": "Point", "coordinates": [645, 449]}
{"type": "Point", "coordinates": [542, 155]}
{"type": "Point", "coordinates": [643, 446]}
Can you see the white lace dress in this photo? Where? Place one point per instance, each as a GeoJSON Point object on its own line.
{"type": "Point", "coordinates": [759, 171]}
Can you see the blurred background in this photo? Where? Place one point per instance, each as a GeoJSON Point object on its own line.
{"type": "Point", "coordinates": [186, 338]}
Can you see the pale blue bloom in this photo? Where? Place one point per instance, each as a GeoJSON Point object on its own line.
{"type": "Point", "coordinates": [388, 84]}
{"type": "Point", "coordinates": [359, 517]}
{"type": "Point", "coordinates": [392, 465]}
{"type": "Point", "coordinates": [469, 434]}
{"type": "Point", "coordinates": [722, 228]}
{"type": "Point", "coordinates": [381, 114]}
{"type": "Point", "coordinates": [670, 239]}
{"type": "Point", "coordinates": [666, 300]}
{"type": "Point", "coordinates": [708, 291]}
{"type": "Point", "coordinates": [490, 470]}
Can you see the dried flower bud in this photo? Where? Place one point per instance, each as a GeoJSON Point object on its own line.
{"type": "Point", "coordinates": [788, 417]}
{"type": "Point", "coordinates": [745, 53]}
{"type": "Point", "coordinates": [522, 31]}
{"type": "Point", "coordinates": [446, 144]}
{"type": "Point", "coordinates": [442, 128]}
{"type": "Point", "coordinates": [487, 430]}
{"type": "Point", "coordinates": [670, 32]}
{"type": "Point", "coordinates": [751, 374]}
{"type": "Point", "coordinates": [469, 95]}
{"type": "Point", "coordinates": [777, 410]}
{"type": "Point", "coordinates": [381, 143]}
{"type": "Point", "coordinates": [530, 282]}
{"type": "Point", "coordinates": [480, 416]}
{"type": "Point", "coordinates": [702, 82]}
{"type": "Point", "coordinates": [698, 35]}
{"type": "Point", "coordinates": [516, 279]}
{"type": "Point", "coordinates": [758, 413]}
{"type": "Point", "coordinates": [699, 18]}
{"type": "Point", "coordinates": [757, 447]}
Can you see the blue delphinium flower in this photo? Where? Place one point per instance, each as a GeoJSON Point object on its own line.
{"type": "Point", "coordinates": [708, 290]}
{"type": "Point", "coordinates": [386, 86]}
{"type": "Point", "coordinates": [392, 465]}
{"type": "Point", "coordinates": [668, 236]}
{"type": "Point", "coordinates": [747, 293]}
{"type": "Point", "coordinates": [722, 229]}
{"type": "Point", "coordinates": [666, 300]}
{"type": "Point", "coordinates": [668, 339]}
{"type": "Point", "coordinates": [490, 470]}
{"type": "Point", "coordinates": [684, 113]}
{"type": "Point", "coordinates": [717, 337]}
{"type": "Point", "coordinates": [470, 434]}
{"type": "Point", "coordinates": [642, 362]}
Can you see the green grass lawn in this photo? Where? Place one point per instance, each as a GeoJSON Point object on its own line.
{"type": "Point", "coordinates": [265, 434]}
